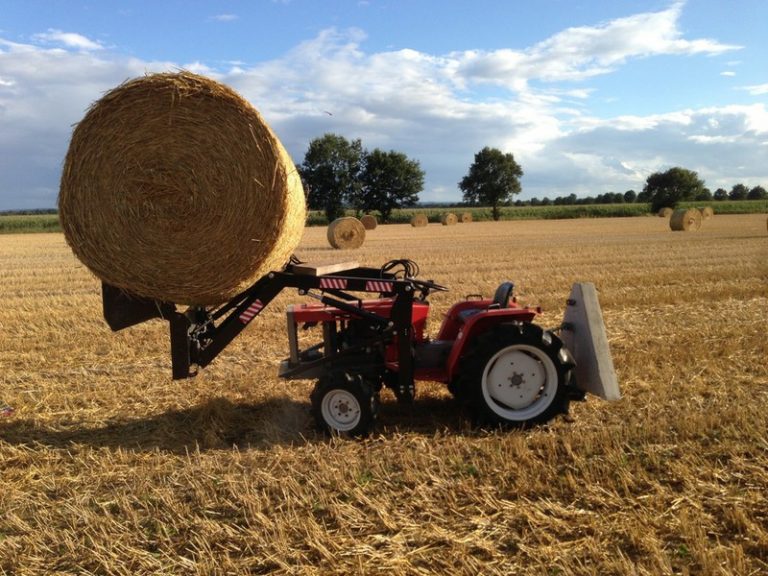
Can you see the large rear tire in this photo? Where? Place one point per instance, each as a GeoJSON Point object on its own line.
{"type": "Point", "coordinates": [515, 375]}
{"type": "Point", "coordinates": [344, 404]}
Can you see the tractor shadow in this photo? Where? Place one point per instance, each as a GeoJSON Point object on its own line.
{"type": "Point", "coordinates": [220, 424]}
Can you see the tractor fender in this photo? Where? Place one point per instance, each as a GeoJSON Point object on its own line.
{"type": "Point", "coordinates": [479, 324]}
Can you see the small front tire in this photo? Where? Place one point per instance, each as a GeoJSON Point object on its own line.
{"type": "Point", "coordinates": [343, 404]}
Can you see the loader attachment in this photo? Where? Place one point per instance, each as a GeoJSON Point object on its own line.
{"type": "Point", "coordinates": [583, 333]}
{"type": "Point", "coordinates": [123, 310]}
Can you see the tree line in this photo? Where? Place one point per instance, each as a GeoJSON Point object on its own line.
{"type": "Point", "coordinates": [338, 173]}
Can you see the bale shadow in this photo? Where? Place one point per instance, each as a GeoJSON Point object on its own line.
{"type": "Point", "coordinates": [221, 424]}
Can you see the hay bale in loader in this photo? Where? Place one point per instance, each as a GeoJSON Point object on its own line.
{"type": "Point", "coordinates": [346, 233]}
{"type": "Point", "coordinates": [685, 220]}
{"type": "Point", "coordinates": [175, 188]}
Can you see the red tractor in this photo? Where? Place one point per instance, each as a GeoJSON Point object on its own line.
{"type": "Point", "coordinates": [504, 368]}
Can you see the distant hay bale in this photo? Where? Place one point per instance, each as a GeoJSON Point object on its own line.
{"type": "Point", "coordinates": [175, 188]}
{"type": "Point", "coordinates": [706, 212]}
{"type": "Point", "coordinates": [465, 217]}
{"type": "Point", "coordinates": [685, 220]}
{"type": "Point", "coordinates": [448, 219]}
{"type": "Point", "coordinates": [346, 233]}
{"type": "Point", "coordinates": [665, 212]}
{"type": "Point", "coordinates": [369, 222]}
{"type": "Point", "coordinates": [419, 220]}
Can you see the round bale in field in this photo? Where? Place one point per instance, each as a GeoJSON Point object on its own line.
{"type": "Point", "coordinates": [346, 233]}
{"type": "Point", "coordinates": [665, 212]}
{"type": "Point", "coordinates": [175, 188]}
{"type": "Point", "coordinates": [448, 219]}
{"type": "Point", "coordinates": [465, 217]}
{"type": "Point", "coordinates": [685, 220]}
{"type": "Point", "coordinates": [369, 222]}
{"type": "Point", "coordinates": [419, 220]}
{"type": "Point", "coordinates": [706, 213]}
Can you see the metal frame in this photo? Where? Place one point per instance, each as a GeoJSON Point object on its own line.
{"type": "Point", "coordinates": [198, 335]}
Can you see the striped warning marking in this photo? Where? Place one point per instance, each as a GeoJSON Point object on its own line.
{"type": "Point", "coordinates": [378, 286]}
{"type": "Point", "coordinates": [250, 312]}
{"type": "Point", "coordinates": [334, 283]}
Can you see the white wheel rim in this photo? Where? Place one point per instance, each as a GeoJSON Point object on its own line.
{"type": "Point", "coordinates": [341, 410]}
{"type": "Point", "coordinates": [519, 382]}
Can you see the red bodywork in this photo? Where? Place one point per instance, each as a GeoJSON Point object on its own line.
{"type": "Point", "coordinates": [463, 322]}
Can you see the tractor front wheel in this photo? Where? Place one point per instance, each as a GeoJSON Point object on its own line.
{"type": "Point", "coordinates": [516, 375]}
{"type": "Point", "coordinates": [344, 404]}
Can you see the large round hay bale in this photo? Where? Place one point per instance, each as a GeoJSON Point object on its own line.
{"type": "Point", "coordinates": [465, 217]}
{"type": "Point", "coordinates": [706, 212]}
{"type": "Point", "coordinates": [369, 222]}
{"type": "Point", "coordinates": [665, 212]}
{"type": "Point", "coordinates": [685, 220]}
{"type": "Point", "coordinates": [419, 220]}
{"type": "Point", "coordinates": [175, 188]}
{"type": "Point", "coordinates": [448, 219]}
{"type": "Point", "coordinates": [346, 233]}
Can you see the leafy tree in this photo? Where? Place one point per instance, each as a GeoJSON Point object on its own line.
{"type": "Point", "coordinates": [738, 192]}
{"type": "Point", "coordinates": [720, 194]}
{"type": "Point", "coordinates": [630, 196]}
{"type": "Point", "coordinates": [389, 180]}
{"type": "Point", "coordinates": [331, 173]}
{"type": "Point", "coordinates": [645, 196]}
{"type": "Point", "coordinates": [757, 193]}
{"type": "Point", "coordinates": [704, 196]}
{"type": "Point", "coordinates": [671, 187]}
{"type": "Point", "coordinates": [492, 179]}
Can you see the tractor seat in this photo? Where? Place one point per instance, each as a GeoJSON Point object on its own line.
{"type": "Point", "coordinates": [465, 315]}
{"type": "Point", "coordinates": [500, 300]}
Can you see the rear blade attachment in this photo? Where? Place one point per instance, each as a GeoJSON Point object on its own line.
{"type": "Point", "coordinates": [583, 333]}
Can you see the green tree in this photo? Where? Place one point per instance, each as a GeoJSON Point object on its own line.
{"type": "Point", "coordinates": [671, 187]}
{"type": "Point", "coordinates": [704, 196]}
{"type": "Point", "coordinates": [630, 196]}
{"type": "Point", "coordinates": [492, 179]}
{"type": "Point", "coordinates": [738, 192]}
{"type": "Point", "coordinates": [389, 180]}
{"type": "Point", "coordinates": [331, 173]}
{"type": "Point", "coordinates": [720, 194]}
{"type": "Point", "coordinates": [757, 193]}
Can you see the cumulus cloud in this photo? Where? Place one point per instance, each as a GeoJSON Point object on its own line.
{"type": "Point", "coordinates": [225, 17]}
{"type": "Point", "coordinates": [757, 89]}
{"type": "Point", "coordinates": [584, 52]}
{"type": "Point", "coordinates": [67, 39]}
{"type": "Point", "coordinates": [438, 108]}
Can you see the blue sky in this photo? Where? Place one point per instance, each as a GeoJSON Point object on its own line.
{"type": "Point", "coordinates": [590, 96]}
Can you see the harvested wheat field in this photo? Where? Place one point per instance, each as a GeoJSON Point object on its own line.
{"type": "Point", "coordinates": [110, 467]}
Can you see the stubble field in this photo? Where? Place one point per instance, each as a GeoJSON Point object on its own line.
{"type": "Point", "coordinates": [107, 466]}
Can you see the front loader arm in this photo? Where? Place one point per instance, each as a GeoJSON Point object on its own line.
{"type": "Point", "coordinates": [198, 335]}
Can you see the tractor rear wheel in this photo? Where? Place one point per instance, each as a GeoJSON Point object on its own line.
{"type": "Point", "coordinates": [515, 375]}
{"type": "Point", "coordinates": [344, 404]}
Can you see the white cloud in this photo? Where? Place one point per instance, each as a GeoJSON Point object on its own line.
{"type": "Point", "coordinates": [728, 73]}
{"type": "Point", "coordinates": [225, 17]}
{"type": "Point", "coordinates": [584, 52]}
{"type": "Point", "coordinates": [68, 39]}
{"type": "Point", "coordinates": [757, 89]}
